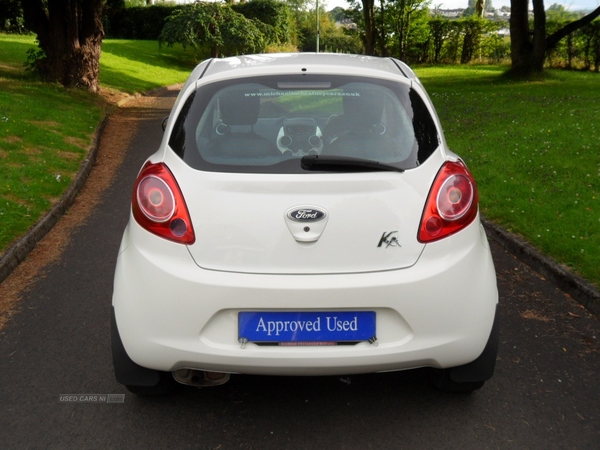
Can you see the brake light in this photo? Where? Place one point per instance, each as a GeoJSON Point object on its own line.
{"type": "Point", "coordinates": [451, 205]}
{"type": "Point", "coordinates": [158, 205]}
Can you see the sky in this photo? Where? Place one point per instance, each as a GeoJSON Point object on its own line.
{"type": "Point", "coordinates": [571, 5]}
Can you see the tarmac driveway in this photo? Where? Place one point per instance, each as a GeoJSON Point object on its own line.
{"type": "Point", "coordinates": [56, 372]}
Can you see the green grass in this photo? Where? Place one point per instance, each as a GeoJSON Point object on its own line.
{"type": "Point", "coordinates": [44, 135]}
{"type": "Point", "coordinates": [138, 66]}
{"type": "Point", "coordinates": [534, 148]}
{"type": "Point", "coordinates": [45, 130]}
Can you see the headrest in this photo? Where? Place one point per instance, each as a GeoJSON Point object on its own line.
{"type": "Point", "coordinates": [239, 108]}
{"type": "Point", "coordinates": [364, 110]}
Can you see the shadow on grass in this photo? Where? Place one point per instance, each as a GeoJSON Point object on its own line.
{"type": "Point", "coordinates": [116, 79]}
{"type": "Point", "coordinates": [13, 57]}
{"type": "Point", "coordinates": [149, 52]}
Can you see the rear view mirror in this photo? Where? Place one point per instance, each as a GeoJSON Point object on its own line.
{"type": "Point", "coordinates": [164, 123]}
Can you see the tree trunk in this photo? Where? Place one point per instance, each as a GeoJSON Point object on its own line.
{"type": "Point", "coordinates": [370, 29]}
{"type": "Point", "coordinates": [468, 44]}
{"type": "Point", "coordinates": [70, 34]}
{"type": "Point", "coordinates": [405, 35]}
{"type": "Point", "coordinates": [539, 36]}
{"type": "Point", "coordinates": [480, 8]}
{"type": "Point", "coordinates": [382, 41]}
{"type": "Point", "coordinates": [401, 30]}
{"type": "Point", "coordinates": [553, 39]}
{"type": "Point", "coordinates": [521, 47]}
{"type": "Point", "coordinates": [529, 47]}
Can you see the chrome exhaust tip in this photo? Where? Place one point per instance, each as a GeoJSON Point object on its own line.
{"type": "Point", "coordinates": [200, 378]}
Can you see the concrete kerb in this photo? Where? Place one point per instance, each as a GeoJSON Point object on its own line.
{"type": "Point", "coordinates": [20, 249]}
{"type": "Point", "coordinates": [17, 252]}
{"type": "Point", "coordinates": [576, 287]}
{"type": "Point", "coordinates": [579, 289]}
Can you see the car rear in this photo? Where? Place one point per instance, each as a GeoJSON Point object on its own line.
{"type": "Point", "coordinates": [298, 220]}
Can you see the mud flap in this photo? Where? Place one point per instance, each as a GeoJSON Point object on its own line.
{"type": "Point", "coordinates": [482, 368]}
{"type": "Point", "coordinates": [128, 372]}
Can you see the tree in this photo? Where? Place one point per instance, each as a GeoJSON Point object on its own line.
{"type": "Point", "coordinates": [480, 8]}
{"type": "Point", "coordinates": [215, 27]}
{"type": "Point", "coordinates": [331, 37]}
{"type": "Point", "coordinates": [338, 14]}
{"type": "Point", "coordinates": [69, 34]}
{"type": "Point", "coordinates": [370, 27]}
{"type": "Point", "coordinates": [529, 47]}
{"type": "Point", "coordinates": [11, 16]}
{"type": "Point", "coordinates": [401, 14]}
{"type": "Point", "coordinates": [440, 29]}
{"type": "Point", "coordinates": [273, 17]}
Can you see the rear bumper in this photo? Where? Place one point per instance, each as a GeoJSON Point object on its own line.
{"type": "Point", "coordinates": [171, 314]}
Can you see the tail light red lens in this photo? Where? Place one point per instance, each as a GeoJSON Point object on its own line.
{"type": "Point", "coordinates": [451, 205]}
{"type": "Point", "coordinates": [159, 207]}
{"type": "Point", "coordinates": [155, 198]}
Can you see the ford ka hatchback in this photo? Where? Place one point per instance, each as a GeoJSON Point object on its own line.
{"type": "Point", "coordinates": [303, 215]}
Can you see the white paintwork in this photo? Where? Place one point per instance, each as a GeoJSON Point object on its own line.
{"type": "Point", "coordinates": [176, 306]}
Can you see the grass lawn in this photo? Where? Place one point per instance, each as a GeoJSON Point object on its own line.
{"type": "Point", "coordinates": [533, 146]}
{"type": "Point", "coordinates": [139, 66]}
{"type": "Point", "coordinates": [45, 130]}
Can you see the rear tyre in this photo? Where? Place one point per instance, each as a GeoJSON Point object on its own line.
{"type": "Point", "coordinates": [471, 376]}
{"type": "Point", "coordinates": [441, 380]}
{"type": "Point", "coordinates": [166, 385]}
{"type": "Point", "coordinates": [137, 379]}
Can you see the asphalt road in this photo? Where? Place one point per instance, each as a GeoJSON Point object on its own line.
{"type": "Point", "coordinates": [545, 393]}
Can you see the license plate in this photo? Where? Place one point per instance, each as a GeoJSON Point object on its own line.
{"type": "Point", "coordinates": [307, 327]}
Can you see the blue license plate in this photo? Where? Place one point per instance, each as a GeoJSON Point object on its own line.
{"type": "Point", "coordinates": [307, 327]}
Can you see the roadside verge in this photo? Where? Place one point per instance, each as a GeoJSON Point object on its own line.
{"type": "Point", "coordinates": [573, 285]}
{"type": "Point", "coordinates": [578, 288]}
{"type": "Point", "coordinates": [20, 249]}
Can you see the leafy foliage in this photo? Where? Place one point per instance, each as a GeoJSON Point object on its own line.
{"type": "Point", "coordinates": [34, 55]}
{"type": "Point", "coordinates": [70, 36]}
{"type": "Point", "coordinates": [214, 27]}
{"type": "Point", "coordinates": [401, 18]}
{"type": "Point", "coordinates": [331, 37]}
{"type": "Point", "coordinates": [137, 22]}
{"type": "Point", "coordinates": [11, 17]}
{"type": "Point", "coordinates": [579, 49]}
{"type": "Point", "coordinates": [274, 18]}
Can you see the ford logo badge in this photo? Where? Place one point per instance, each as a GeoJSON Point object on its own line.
{"type": "Point", "coordinates": [306, 214]}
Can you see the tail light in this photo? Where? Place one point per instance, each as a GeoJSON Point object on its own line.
{"type": "Point", "coordinates": [451, 205]}
{"type": "Point", "coordinates": [158, 205]}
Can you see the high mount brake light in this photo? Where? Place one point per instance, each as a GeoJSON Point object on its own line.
{"type": "Point", "coordinates": [451, 205]}
{"type": "Point", "coordinates": [158, 205]}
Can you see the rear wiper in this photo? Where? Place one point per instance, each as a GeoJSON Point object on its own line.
{"type": "Point", "coordinates": [345, 164]}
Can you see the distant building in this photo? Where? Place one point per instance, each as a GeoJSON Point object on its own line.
{"type": "Point", "coordinates": [458, 13]}
{"type": "Point", "coordinates": [449, 13]}
{"type": "Point", "coordinates": [346, 23]}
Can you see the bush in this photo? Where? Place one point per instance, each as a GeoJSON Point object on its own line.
{"type": "Point", "coordinates": [147, 22]}
{"type": "Point", "coordinates": [213, 28]}
{"type": "Point", "coordinates": [578, 50]}
{"type": "Point", "coordinates": [140, 22]}
{"type": "Point", "coordinates": [11, 17]}
{"type": "Point", "coordinates": [466, 40]}
{"type": "Point", "coordinates": [274, 14]}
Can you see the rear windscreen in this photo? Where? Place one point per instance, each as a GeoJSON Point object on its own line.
{"type": "Point", "coordinates": [267, 124]}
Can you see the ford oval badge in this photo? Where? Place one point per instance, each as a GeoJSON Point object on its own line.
{"type": "Point", "coordinates": [306, 214]}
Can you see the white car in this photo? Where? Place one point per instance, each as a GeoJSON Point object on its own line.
{"type": "Point", "coordinates": [303, 215]}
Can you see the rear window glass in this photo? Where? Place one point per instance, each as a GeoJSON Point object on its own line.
{"type": "Point", "coordinates": [266, 124]}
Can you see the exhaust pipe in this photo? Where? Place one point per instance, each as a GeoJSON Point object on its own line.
{"type": "Point", "coordinates": [200, 378]}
